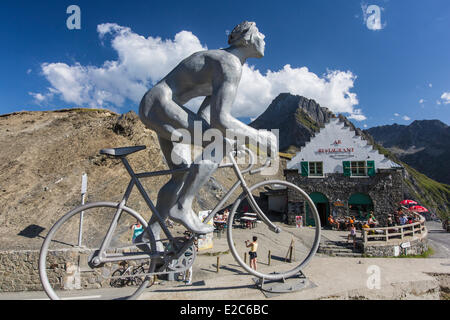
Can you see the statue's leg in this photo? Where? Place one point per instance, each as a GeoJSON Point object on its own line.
{"type": "Point", "coordinates": [168, 194]}
{"type": "Point", "coordinates": [182, 211]}
{"type": "Point", "coordinates": [158, 112]}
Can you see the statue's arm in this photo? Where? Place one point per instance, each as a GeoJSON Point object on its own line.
{"type": "Point", "coordinates": [220, 118]}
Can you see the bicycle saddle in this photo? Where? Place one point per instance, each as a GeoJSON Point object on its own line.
{"type": "Point", "coordinates": [120, 152]}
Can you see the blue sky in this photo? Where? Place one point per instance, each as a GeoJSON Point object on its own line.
{"type": "Point", "coordinates": [399, 73]}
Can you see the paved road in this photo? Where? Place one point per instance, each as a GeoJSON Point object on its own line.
{"type": "Point", "coordinates": [438, 239]}
{"type": "Point", "coordinates": [332, 278]}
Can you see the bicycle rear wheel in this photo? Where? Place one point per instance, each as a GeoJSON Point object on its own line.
{"type": "Point", "coordinates": [282, 251]}
{"type": "Point", "coordinates": [65, 262]}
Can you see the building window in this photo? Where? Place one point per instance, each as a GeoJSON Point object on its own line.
{"type": "Point", "coordinates": [316, 169]}
{"type": "Point", "coordinates": [358, 168]}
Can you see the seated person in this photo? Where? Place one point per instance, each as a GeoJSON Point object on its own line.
{"type": "Point", "coordinates": [367, 227]}
{"type": "Point", "coordinates": [331, 221]}
{"type": "Point", "coordinates": [225, 214]}
{"type": "Point", "coordinates": [403, 220]}
{"type": "Point", "coordinates": [390, 223]}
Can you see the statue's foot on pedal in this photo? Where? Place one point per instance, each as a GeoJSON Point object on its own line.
{"type": "Point", "coordinates": [190, 221]}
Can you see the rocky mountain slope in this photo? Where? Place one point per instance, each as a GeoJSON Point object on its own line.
{"type": "Point", "coordinates": [44, 155]}
{"type": "Point", "coordinates": [424, 145]}
{"type": "Point", "coordinates": [299, 118]}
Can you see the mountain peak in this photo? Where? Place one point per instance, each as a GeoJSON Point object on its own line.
{"type": "Point", "coordinates": [297, 117]}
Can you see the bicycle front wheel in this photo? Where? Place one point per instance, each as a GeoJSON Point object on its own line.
{"type": "Point", "coordinates": [284, 247]}
{"type": "Point", "coordinates": [65, 261]}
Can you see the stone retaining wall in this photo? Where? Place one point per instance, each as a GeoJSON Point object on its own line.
{"type": "Point", "coordinates": [417, 247]}
{"type": "Point", "coordinates": [19, 271]}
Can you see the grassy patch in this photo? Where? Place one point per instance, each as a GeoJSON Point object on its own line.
{"type": "Point", "coordinates": [288, 156]}
{"type": "Point", "coordinates": [213, 254]}
{"type": "Point", "coordinates": [306, 120]}
{"type": "Point", "coordinates": [426, 254]}
{"type": "Point", "coordinates": [426, 191]}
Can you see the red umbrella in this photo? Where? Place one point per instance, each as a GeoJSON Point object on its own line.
{"type": "Point", "coordinates": [418, 209]}
{"type": "Point", "coordinates": [408, 202]}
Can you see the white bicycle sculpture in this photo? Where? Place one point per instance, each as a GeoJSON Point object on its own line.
{"type": "Point", "coordinates": [101, 243]}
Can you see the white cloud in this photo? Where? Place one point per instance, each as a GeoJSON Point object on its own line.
{"type": "Point", "coordinates": [38, 98]}
{"type": "Point", "coordinates": [365, 125]}
{"type": "Point", "coordinates": [438, 102]}
{"type": "Point", "coordinates": [430, 85]}
{"type": "Point", "coordinates": [446, 97]}
{"type": "Point", "coordinates": [406, 118]}
{"type": "Point", "coordinates": [421, 101]}
{"type": "Point", "coordinates": [396, 114]}
{"type": "Point", "coordinates": [29, 71]}
{"type": "Point", "coordinates": [144, 61]}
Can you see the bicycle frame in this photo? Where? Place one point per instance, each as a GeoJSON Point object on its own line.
{"type": "Point", "coordinates": [103, 257]}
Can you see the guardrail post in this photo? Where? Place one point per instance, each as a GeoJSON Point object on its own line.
{"type": "Point", "coordinates": [401, 232]}
{"type": "Point", "coordinates": [386, 234]}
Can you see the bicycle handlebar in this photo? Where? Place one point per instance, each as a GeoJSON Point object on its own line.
{"type": "Point", "coordinates": [252, 161]}
{"type": "Point", "coordinates": [266, 164]}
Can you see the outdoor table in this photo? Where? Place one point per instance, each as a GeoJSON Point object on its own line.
{"type": "Point", "coordinates": [220, 224]}
{"type": "Point", "coordinates": [251, 214]}
{"type": "Point", "coordinates": [248, 221]}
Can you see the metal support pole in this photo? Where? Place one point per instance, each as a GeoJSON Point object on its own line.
{"type": "Point", "coordinates": [269, 257]}
{"type": "Point", "coordinates": [83, 196]}
{"type": "Point", "coordinates": [218, 263]}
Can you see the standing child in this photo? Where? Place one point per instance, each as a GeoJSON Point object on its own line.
{"type": "Point", "coordinates": [137, 230]}
{"type": "Point", "coordinates": [352, 235]}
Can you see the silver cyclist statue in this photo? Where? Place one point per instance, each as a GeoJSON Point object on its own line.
{"type": "Point", "coordinates": [214, 74]}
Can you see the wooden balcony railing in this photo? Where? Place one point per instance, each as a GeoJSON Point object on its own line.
{"type": "Point", "coordinates": [394, 232]}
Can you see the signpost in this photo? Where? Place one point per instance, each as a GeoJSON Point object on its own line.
{"type": "Point", "coordinates": [83, 195]}
{"type": "Point", "coordinates": [406, 245]}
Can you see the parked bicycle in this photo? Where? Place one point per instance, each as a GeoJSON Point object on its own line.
{"type": "Point", "coordinates": [101, 239]}
{"type": "Point", "coordinates": [126, 275]}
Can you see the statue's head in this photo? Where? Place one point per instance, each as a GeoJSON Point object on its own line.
{"type": "Point", "coordinates": [246, 34]}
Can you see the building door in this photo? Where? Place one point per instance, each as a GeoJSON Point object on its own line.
{"type": "Point", "coordinates": [360, 205]}
{"type": "Point", "coordinates": [323, 208]}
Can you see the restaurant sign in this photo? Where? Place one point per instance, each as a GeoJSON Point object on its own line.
{"type": "Point", "coordinates": [336, 149]}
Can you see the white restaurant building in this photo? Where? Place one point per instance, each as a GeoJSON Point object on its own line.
{"type": "Point", "coordinates": [344, 175]}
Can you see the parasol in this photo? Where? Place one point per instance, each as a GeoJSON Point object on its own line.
{"type": "Point", "coordinates": [418, 209]}
{"type": "Point", "coordinates": [408, 202]}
